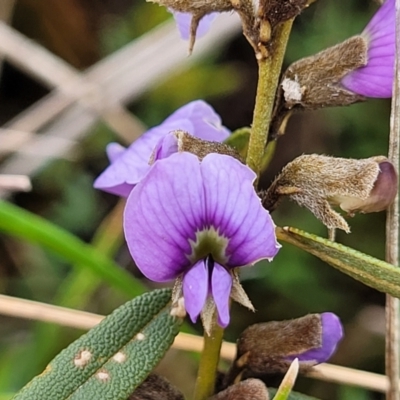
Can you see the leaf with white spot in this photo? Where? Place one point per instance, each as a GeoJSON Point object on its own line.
{"type": "Point", "coordinates": [114, 357]}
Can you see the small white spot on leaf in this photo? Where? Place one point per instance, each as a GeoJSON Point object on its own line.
{"type": "Point", "coordinates": [119, 357]}
{"type": "Point", "coordinates": [103, 375]}
{"type": "Point", "coordinates": [140, 336]}
{"type": "Point", "coordinates": [82, 358]}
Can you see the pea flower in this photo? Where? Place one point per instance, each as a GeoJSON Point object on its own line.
{"type": "Point", "coordinates": [196, 222]}
{"type": "Point", "coordinates": [375, 79]}
{"type": "Point", "coordinates": [129, 166]}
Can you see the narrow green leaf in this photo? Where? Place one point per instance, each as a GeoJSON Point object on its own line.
{"type": "Point", "coordinates": [286, 386]}
{"type": "Point", "coordinates": [114, 357]}
{"type": "Point", "coordinates": [369, 270]}
{"type": "Point", "coordinates": [21, 223]}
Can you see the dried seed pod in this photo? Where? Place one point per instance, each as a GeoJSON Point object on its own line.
{"type": "Point", "coordinates": [317, 182]}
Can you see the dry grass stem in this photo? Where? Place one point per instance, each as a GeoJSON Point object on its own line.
{"type": "Point", "coordinates": [392, 234]}
{"type": "Point", "coordinates": [105, 88]}
{"type": "Point", "coordinates": [21, 308]}
{"type": "Point", "coordinates": [15, 182]}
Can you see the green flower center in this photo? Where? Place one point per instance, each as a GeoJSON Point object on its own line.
{"type": "Point", "coordinates": [209, 242]}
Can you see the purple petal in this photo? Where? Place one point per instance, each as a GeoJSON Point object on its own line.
{"type": "Point", "coordinates": [235, 210]}
{"type": "Point", "coordinates": [221, 285]}
{"type": "Point", "coordinates": [114, 151]}
{"type": "Point", "coordinates": [195, 289]}
{"type": "Point", "coordinates": [206, 123]}
{"type": "Point", "coordinates": [332, 333]}
{"type": "Point", "coordinates": [166, 146]}
{"type": "Point", "coordinates": [162, 213]}
{"type": "Point", "coordinates": [129, 167]}
{"type": "Point", "coordinates": [183, 21]}
{"type": "Point", "coordinates": [376, 78]}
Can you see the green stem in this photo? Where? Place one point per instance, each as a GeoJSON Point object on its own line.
{"type": "Point", "coordinates": [269, 71]}
{"type": "Point", "coordinates": [205, 383]}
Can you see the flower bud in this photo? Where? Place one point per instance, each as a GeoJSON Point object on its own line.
{"type": "Point", "coordinates": [317, 182]}
{"type": "Point", "coordinates": [269, 348]}
{"type": "Point", "coordinates": [362, 66]}
{"type": "Point", "coordinates": [381, 196]}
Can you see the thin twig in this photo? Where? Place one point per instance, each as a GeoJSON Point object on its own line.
{"type": "Point", "coordinates": [15, 183]}
{"type": "Point", "coordinates": [114, 81]}
{"type": "Point", "coordinates": [392, 234]}
{"type": "Point", "coordinates": [6, 11]}
{"type": "Point", "coordinates": [21, 308]}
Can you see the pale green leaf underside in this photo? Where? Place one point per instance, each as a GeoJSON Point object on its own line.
{"type": "Point", "coordinates": [369, 270]}
{"type": "Point", "coordinates": [114, 357]}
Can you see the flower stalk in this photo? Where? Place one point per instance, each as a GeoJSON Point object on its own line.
{"type": "Point", "coordinates": [268, 77]}
{"type": "Point", "coordinates": [206, 376]}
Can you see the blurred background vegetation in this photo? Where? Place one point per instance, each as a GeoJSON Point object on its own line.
{"type": "Point", "coordinates": [295, 283]}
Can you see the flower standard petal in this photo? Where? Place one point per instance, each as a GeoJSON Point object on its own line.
{"type": "Point", "coordinates": [195, 289]}
{"type": "Point", "coordinates": [235, 210]}
{"type": "Point", "coordinates": [221, 285]}
{"type": "Point", "coordinates": [130, 166]}
{"type": "Point", "coordinates": [376, 78]}
{"type": "Point", "coordinates": [162, 213]}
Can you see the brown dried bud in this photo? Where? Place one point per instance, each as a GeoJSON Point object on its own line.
{"type": "Point", "coordinates": [156, 387]}
{"type": "Point", "coordinates": [317, 182]}
{"type": "Point", "coordinates": [253, 389]}
{"type": "Point", "coordinates": [267, 348]}
{"type": "Point", "coordinates": [315, 82]}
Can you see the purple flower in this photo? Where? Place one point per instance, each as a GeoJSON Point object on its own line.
{"type": "Point", "coordinates": [376, 78]}
{"type": "Point", "coordinates": [332, 333]}
{"type": "Point", "coordinates": [195, 222]}
{"type": "Point", "coordinates": [129, 166]}
{"type": "Point", "coordinates": [183, 21]}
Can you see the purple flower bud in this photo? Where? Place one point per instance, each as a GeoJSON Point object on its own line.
{"type": "Point", "coordinates": [331, 334]}
{"type": "Point", "coordinates": [375, 79]}
{"type": "Point", "coordinates": [382, 194]}
{"type": "Point", "coordinates": [270, 347]}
